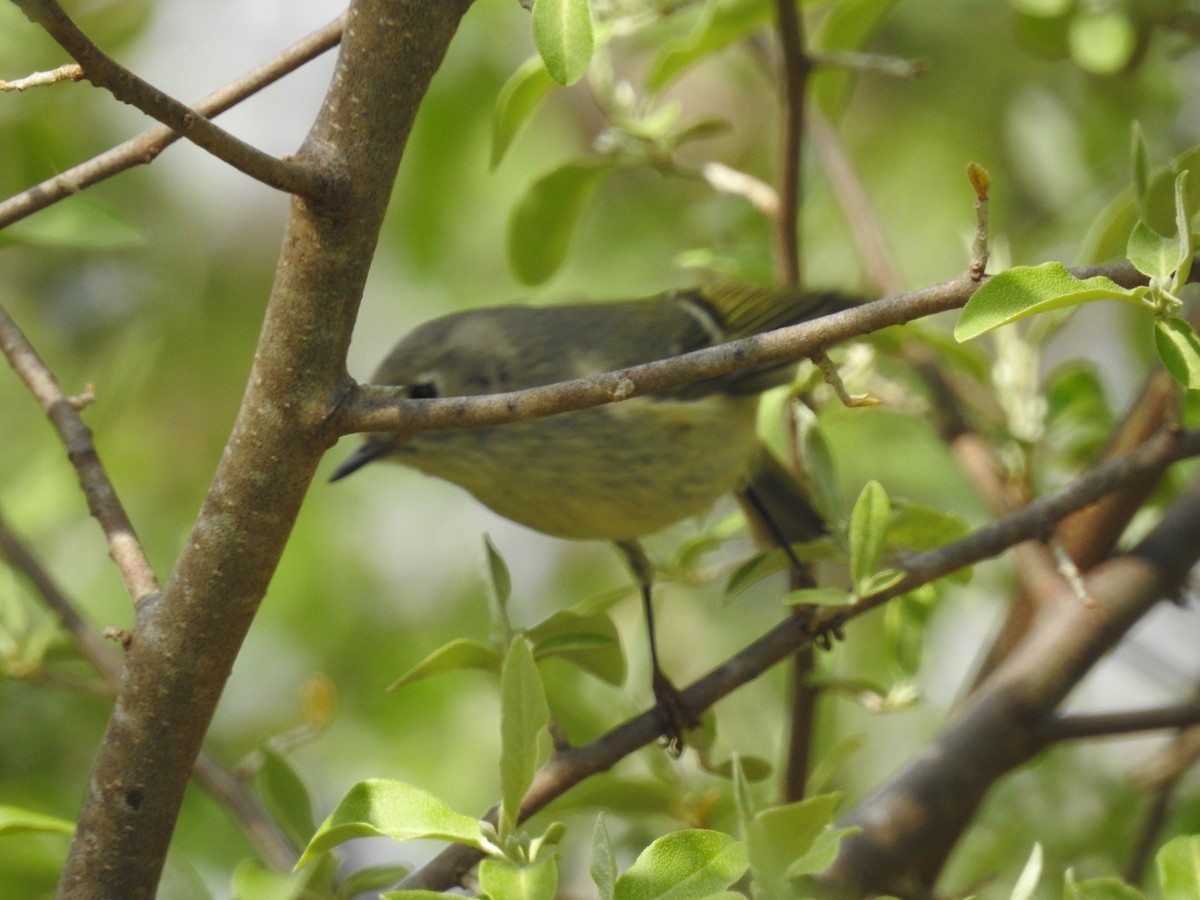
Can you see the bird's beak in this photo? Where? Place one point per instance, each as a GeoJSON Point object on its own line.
{"type": "Point", "coordinates": [373, 448]}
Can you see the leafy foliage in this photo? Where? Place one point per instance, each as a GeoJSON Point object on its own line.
{"type": "Point", "coordinates": [607, 189]}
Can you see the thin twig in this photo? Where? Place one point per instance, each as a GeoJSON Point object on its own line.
{"type": "Point", "coordinates": [1089, 535]}
{"type": "Point", "coordinates": [289, 175]}
{"type": "Point", "coordinates": [103, 503]}
{"type": "Point", "coordinates": [911, 824]}
{"type": "Point", "coordinates": [68, 72]}
{"type": "Point", "coordinates": [1032, 521]}
{"type": "Point", "coordinates": [568, 768]}
{"type": "Point", "coordinates": [871, 63]}
{"type": "Point", "coordinates": [94, 648]}
{"type": "Point", "coordinates": [381, 408]}
{"type": "Point", "coordinates": [1094, 725]}
{"type": "Point", "coordinates": [876, 261]}
{"type": "Point", "coordinates": [796, 69]}
{"type": "Point", "coordinates": [223, 785]}
{"type": "Point", "coordinates": [1161, 777]}
{"type": "Point", "coordinates": [980, 182]}
{"type": "Point", "coordinates": [1148, 835]}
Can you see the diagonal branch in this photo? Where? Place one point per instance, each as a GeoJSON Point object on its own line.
{"type": "Point", "coordinates": [93, 648]}
{"type": "Point", "coordinates": [291, 176]}
{"type": "Point", "coordinates": [375, 408]}
{"type": "Point", "coordinates": [222, 784]}
{"type": "Point", "coordinates": [911, 824]}
{"type": "Point", "coordinates": [146, 147]}
{"type": "Point", "coordinates": [123, 544]}
{"type": "Point", "coordinates": [183, 645]}
{"type": "Point", "coordinates": [571, 766]}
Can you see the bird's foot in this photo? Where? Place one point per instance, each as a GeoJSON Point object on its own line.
{"type": "Point", "coordinates": [677, 717]}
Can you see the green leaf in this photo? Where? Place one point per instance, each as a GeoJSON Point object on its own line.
{"type": "Point", "coordinates": [1140, 164]}
{"type": "Point", "coordinates": [848, 26]}
{"type": "Point", "coordinates": [1166, 260]}
{"type": "Point", "coordinates": [603, 865]}
{"type": "Point", "coordinates": [763, 565]}
{"type": "Point", "coordinates": [543, 845]}
{"type": "Point", "coordinates": [590, 642]}
{"type": "Point", "coordinates": [640, 796]}
{"type": "Point", "coordinates": [498, 576]}
{"type": "Point", "coordinates": [1151, 253]}
{"type": "Point", "coordinates": [1183, 233]}
{"type": "Point", "coordinates": [542, 222]}
{"type": "Point", "coordinates": [820, 465]}
{"type": "Point", "coordinates": [285, 796]}
{"type": "Point", "coordinates": [503, 879]}
{"type": "Point", "coordinates": [905, 620]}
{"type": "Point", "coordinates": [562, 33]}
{"type": "Point", "coordinates": [81, 222]}
{"type": "Point", "coordinates": [501, 583]}
{"type": "Point", "coordinates": [1103, 889]}
{"type": "Point", "coordinates": [1030, 875]}
{"type": "Point", "coordinates": [828, 596]}
{"type": "Point", "coordinates": [746, 807]}
{"type": "Point", "coordinates": [518, 99]}
{"type": "Point", "coordinates": [833, 761]}
{"type": "Point", "coordinates": [254, 881]}
{"type": "Point", "coordinates": [523, 717]}
{"type": "Point", "coordinates": [777, 837]}
{"type": "Point", "coordinates": [702, 130]}
{"type": "Point", "coordinates": [918, 527]}
{"type": "Point", "coordinates": [456, 655]}
{"type": "Point", "coordinates": [753, 768]}
{"type": "Point", "coordinates": [384, 808]}
{"type": "Point", "coordinates": [1179, 349]}
{"type": "Point", "coordinates": [719, 25]}
{"type": "Point", "coordinates": [683, 865]}
{"type": "Point", "coordinates": [17, 820]}
{"type": "Point", "coordinates": [412, 895]}
{"type": "Point", "coordinates": [868, 533]}
{"type": "Point", "coordinates": [878, 582]}
{"type": "Point", "coordinates": [1110, 229]}
{"type": "Point", "coordinates": [1178, 864]}
{"type": "Point", "coordinates": [1027, 290]}
{"type": "Point", "coordinates": [822, 853]}
{"type": "Point", "coordinates": [372, 879]}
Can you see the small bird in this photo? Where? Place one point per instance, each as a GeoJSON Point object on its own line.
{"type": "Point", "coordinates": [616, 472]}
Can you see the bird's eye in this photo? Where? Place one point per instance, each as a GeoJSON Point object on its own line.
{"type": "Point", "coordinates": [423, 390]}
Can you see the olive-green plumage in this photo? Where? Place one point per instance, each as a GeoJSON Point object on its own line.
{"type": "Point", "coordinates": [615, 472]}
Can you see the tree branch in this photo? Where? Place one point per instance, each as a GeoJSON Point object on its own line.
{"type": "Point", "coordinates": [796, 69]}
{"type": "Point", "coordinates": [292, 176]}
{"type": "Point", "coordinates": [1089, 535]}
{"type": "Point", "coordinates": [103, 503]}
{"type": "Point", "coordinates": [68, 72]}
{"type": "Point", "coordinates": [1073, 728]}
{"type": "Point", "coordinates": [93, 648]}
{"type": "Point", "coordinates": [145, 148]}
{"type": "Point", "coordinates": [272, 846]}
{"type": "Point", "coordinates": [911, 824]}
{"type": "Point", "coordinates": [573, 765]}
{"type": "Point", "coordinates": [184, 644]}
{"type": "Point", "coordinates": [378, 408]}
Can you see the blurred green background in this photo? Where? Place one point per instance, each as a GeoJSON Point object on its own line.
{"type": "Point", "coordinates": [158, 311]}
